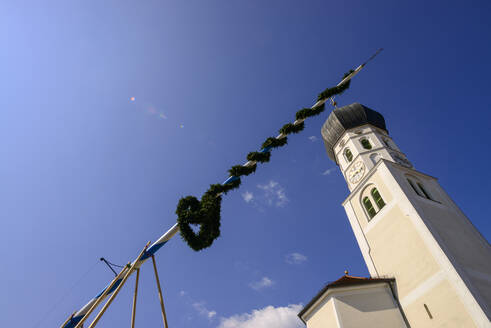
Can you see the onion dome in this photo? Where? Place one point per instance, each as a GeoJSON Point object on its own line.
{"type": "Point", "coordinates": [345, 118]}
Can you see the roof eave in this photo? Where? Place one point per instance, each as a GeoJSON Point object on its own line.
{"type": "Point", "coordinates": [330, 286]}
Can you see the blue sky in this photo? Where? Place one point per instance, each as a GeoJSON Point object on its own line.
{"type": "Point", "coordinates": [87, 172]}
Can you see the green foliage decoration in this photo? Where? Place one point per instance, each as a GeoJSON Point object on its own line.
{"type": "Point", "coordinates": [316, 110]}
{"type": "Point", "coordinates": [337, 90]}
{"type": "Point", "coordinates": [259, 157]}
{"type": "Point", "coordinates": [217, 189]}
{"type": "Point", "coordinates": [239, 170]}
{"type": "Point", "coordinates": [309, 112]}
{"type": "Point", "coordinates": [292, 128]}
{"type": "Point", "coordinates": [231, 185]}
{"type": "Point", "coordinates": [205, 213]}
{"type": "Point", "coordinates": [274, 143]}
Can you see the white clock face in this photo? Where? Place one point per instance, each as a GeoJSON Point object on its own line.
{"type": "Point", "coordinates": [356, 172]}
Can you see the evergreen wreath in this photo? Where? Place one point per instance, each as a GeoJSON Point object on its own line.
{"type": "Point", "coordinates": [206, 213]}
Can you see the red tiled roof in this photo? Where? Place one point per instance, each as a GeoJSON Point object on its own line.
{"type": "Point", "coordinates": [347, 280]}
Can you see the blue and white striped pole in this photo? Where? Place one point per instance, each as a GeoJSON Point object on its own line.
{"type": "Point", "coordinates": [77, 317]}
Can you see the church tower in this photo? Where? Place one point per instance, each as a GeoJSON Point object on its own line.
{"type": "Point", "coordinates": [407, 227]}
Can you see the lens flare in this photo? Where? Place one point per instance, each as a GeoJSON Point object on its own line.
{"type": "Point", "coordinates": [152, 111]}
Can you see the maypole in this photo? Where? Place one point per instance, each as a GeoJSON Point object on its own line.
{"type": "Point", "coordinates": [186, 207]}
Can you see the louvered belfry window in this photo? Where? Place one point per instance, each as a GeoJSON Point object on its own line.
{"type": "Point", "coordinates": [366, 144]}
{"type": "Point", "coordinates": [377, 198]}
{"type": "Point", "coordinates": [348, 154]}
{"type": "Point", "coordinates": [369, 207]}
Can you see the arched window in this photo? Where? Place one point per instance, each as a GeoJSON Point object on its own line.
{"type": "Point", "coordinates": [369, 207]}
{"type": "Point", "coordinates": [348, 155]}
{"type": "Point", "coordinates": [377, 198]}
{"type": "Point", "coordinates": [427, 195]}
{"type": "Point", "coordinates": [416, 190]}
{"type": "Point", "coordinates": [366, 144]}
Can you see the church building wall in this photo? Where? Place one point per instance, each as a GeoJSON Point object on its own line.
{"type": "Point", "coordinates": [368, 306]}
{"type": "Point", "coordinates": [447, 313]}
{"type": "Point", "coordinates": [399, 251]}
{"type": "Point", "coordinates": [463, 245]}
{"type": "Point", "coordinates": [375, 308]}
{"type": "Point", "coordinates": [397, 248]}
{"type": "Point", "coordinates": [323, 316]}
{"type": "Point", "coordinates": [407, 227]}
{"type": "Point", "coordinates": [389, 233]}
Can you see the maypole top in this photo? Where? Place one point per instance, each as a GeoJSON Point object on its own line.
{"type": "Point", "coordinates": [348, 117]}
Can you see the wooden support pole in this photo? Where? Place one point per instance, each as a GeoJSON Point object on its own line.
{"type": "Point", "coordinates": [115, 293]}
{"type": "Point", "coordinates": [100, 299]}
{"type": "Point", "coordinates": [160, 293]}
{"type": "Point", "coordinates": [66, 321]}
{"type": "Point", "coordinates": [133, 311]}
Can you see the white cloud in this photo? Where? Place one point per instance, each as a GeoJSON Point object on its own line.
{"type": "Point", "coordinates": [182, 293]}
{"type": "Point", "coordinates": [268, 317]}
{"type": "Point", "coordinates": [328, 171]}
{"type": "Point", "coordinates": [263, 283]}
{"type": "Point", "coordinates": [274, 193]}
{"type": "Point", "coordinates": [201, 308]}
{"type": "Point", "coordinates": [295, 258]}
{"type": "Point", "coordinates": [313, 138]}
{"type": "Point", "coordinates": [247, 196]}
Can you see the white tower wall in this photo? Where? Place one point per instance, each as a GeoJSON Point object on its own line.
{"type": "Point", "coordinates": [418, 235]}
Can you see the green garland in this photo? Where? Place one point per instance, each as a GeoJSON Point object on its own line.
{"type": "Point", "coordinates": [292, 128]}
{"type": "Point", "coordinates": [308, 112]}
{"type": "Point", "coordinates": [337, 90]}
{"type": "Point", "coordinates": [272, 142]}
{"type": "Point", "coordinates": [206, 212]}
{"type": "Point", "coordinates": [239, 170]}
{"type": "Point", "coordinates": [259, 157]}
